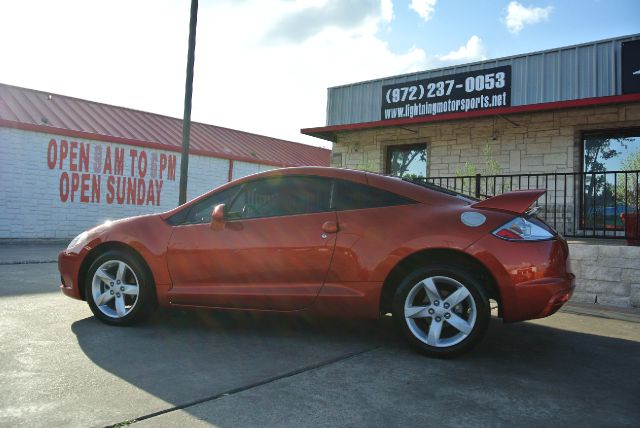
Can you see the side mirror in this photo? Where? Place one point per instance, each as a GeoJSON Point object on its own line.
{"type": "Point", "coordinates": [217, 217]}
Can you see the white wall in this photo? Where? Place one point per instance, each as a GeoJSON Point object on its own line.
{"type": "Point", "coordinates": [242, 169]}
{"type": "Point", "coordinates": [36, 189]}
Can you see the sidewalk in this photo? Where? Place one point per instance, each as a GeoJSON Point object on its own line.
{"type": "Point", "coordinates": [602, 311]}
{"type": "Point", "coordinates": [31, 251]}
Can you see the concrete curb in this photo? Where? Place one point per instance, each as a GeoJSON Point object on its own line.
{"type": "Point", "coordinates": [27, 262]}
{"type": "Point", "coordinates": [34, 241]}
{"type": "Point", "coordinates": [602, 311]}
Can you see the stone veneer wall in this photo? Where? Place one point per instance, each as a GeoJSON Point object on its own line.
{"type": "Point", "coordinates": [543, 142]}
{"type": "Point", "coordinates": [610, 272]}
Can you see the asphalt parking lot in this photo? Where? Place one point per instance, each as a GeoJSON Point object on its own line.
{"type": "Point", "coordinates": [61, 367]}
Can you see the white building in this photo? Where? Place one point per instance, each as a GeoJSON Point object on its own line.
{"type": "Point", "coordinates": [67, 164]}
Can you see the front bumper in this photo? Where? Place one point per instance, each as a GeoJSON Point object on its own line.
{"type": "Point", "coordinates": [69, 267]}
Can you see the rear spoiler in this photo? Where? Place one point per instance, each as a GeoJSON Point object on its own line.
{"type": "Point", "coordinates": [516, 202]}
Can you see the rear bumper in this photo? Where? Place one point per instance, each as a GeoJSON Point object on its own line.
{"type": "Point", "coordinates": [69, 267]}
{"type": "Point", "coordinates": [534, 278]}
{"type": "Point", "coordinates": [541, 298]}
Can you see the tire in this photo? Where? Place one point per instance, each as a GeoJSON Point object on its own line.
{"type": "Point", "coordinates": [120, 289]}
{"type": "Point", "coordinates": [442, 310]}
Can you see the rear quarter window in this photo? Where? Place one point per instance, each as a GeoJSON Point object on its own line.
{"type": "Point", "coordinates": [354, 196]}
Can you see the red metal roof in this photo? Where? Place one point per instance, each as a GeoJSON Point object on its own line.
{"type": "Point", "coordinates": [58, 114]}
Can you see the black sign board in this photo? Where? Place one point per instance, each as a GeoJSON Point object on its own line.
{"type": "Point", "coordinates": [631, 67]}
{"type": "Point", "coordinates": [461, 92]}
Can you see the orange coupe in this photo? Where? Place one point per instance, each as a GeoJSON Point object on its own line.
{"type": "Point", "coordinates": [332, 242]}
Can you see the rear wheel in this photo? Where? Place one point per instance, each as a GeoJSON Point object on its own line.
{"type": "Point", "coordinates": [441, 310]}
{"type": "Point", "coordinates": [119, 289]}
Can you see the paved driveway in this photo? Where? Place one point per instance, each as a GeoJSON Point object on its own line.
{"type": "Point", "coordinates": [60, 367]}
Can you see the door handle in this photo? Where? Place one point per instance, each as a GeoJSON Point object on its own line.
{"type": "Point", "coordinates": [330, 227]}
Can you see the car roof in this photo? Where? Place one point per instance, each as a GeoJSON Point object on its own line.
{"type": "Point", "coordinates": [391, 184]}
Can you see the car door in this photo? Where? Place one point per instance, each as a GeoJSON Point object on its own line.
{"type": "Point", "coordinates": [373, 222]}
{"type": "Point", "coordinates": [272, 252]}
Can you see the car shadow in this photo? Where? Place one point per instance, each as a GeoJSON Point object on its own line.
{"type": "Point", "coordinates": [181, 357]}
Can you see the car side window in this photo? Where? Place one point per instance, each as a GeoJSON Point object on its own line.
{"type": "Point", "coordinates": [201, 212]}
{"type": "Point", "coordinates": [280, 196]}
{"type": "Point", "coordinates": [348, 195]}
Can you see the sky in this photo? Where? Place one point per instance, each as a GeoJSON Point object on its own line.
{"type": "Point", "coordinates": [264, 66]}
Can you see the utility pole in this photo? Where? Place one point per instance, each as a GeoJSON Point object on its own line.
{"type": "Point", "coordinates": [188, 90]}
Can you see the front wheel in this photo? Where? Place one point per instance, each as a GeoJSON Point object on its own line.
{"type": "Point", "coordinates": [119, 289]}
{"type": "Point", "coordinates": [441, 310]}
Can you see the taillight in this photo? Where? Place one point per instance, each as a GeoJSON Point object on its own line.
{"type": "Point", "coordinates": [524, 229]}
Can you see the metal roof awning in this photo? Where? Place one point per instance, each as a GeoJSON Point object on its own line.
{"type": "Point", "coordinates": [330, 133]}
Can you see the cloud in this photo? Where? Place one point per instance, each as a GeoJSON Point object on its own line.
{"type": "Point", "coordinates": [275, 86]}
{"type": "Point", "coordinates": [474, 50]}
{"type": "Point", "coordinates": [386, 9]}
{"type": "Point", "coordinates": [518, 16]}
{"type": "Point", "coordinates": [424, 8]}
{"type": "Point", "coordinates": [244, 78]}
{"type": "Point", "coordinates": [308, 21]}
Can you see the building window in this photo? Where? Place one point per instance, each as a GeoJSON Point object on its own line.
{"type": "Point", "coordinates": [336, 159]}
{"type": "Point", "coordinates": [610, 163]}
{"type": "Point", "coordinates": [407, 160]}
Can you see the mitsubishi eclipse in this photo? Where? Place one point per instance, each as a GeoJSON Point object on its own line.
{"type": "Point", "coordinates": [334, 243]}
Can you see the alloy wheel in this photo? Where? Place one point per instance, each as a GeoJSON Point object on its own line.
{"type": "Point", "coordinates": [440, 311]}
{"type": "Point", "coordinates": [115, 288]}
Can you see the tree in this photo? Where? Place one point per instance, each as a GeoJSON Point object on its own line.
{"type": "Point", "coordinates": [491, 167]}
{"type": "Point", "coordinates": [628, 184]}
{"type": "Point", "coordinates": [596, 151]}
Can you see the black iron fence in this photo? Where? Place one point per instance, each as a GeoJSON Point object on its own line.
{"type": "Point", "coordinates": [583, 204]}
